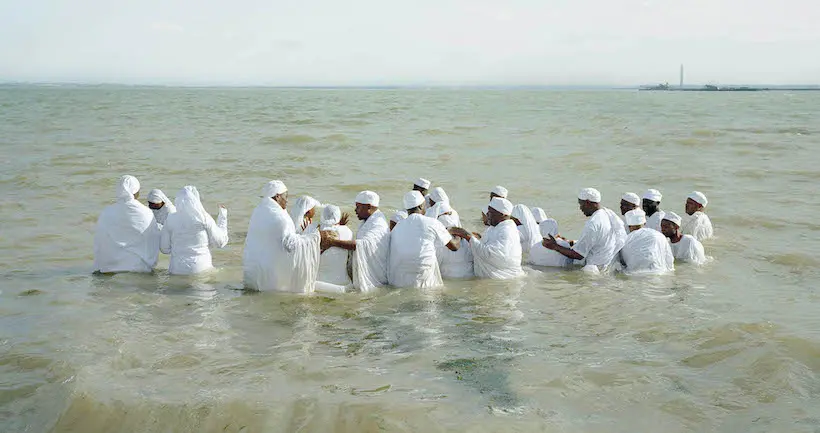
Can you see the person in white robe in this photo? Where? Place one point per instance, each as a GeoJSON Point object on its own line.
{"type": "Point", "coordinates": [527, 228]}
{"type": "Point", "coordinates": [127, 235]}
{"type": "Point", "coordinates": [422, 185]}
{"type": "Point", "coordinates": [160, 205]}
{"type": "Point", "coordinates": [413, 243]}
{"type": "Point", "coordinates": [541, 256]}
{"type": "Point", "coordinates": [303, 212]}
{"type": "Point", "coordinates": [651, 204]}
{"type": "Point", "coordinates": [189, 233]}
{"type": "Point", "coordinates": [496, 254]}
{"type": "Point", "coordinates": [538, 214]}
{"type": "Point", "coordinates": [498, 191]}
{"type": "Point", "coordinates": [601, 239]}
{"type": "Point", "coordinates": [646, 251]}
{"type": "Point", "coordinates": [371, 248]}
{"type": "Point", "coordinates": [453, 264]}
{"type": "Point", "coordinates": [629, 201]}
{"type": "Point", "coordinates": [696, 222]}
{"type": "Point", "coordinates": [276, 258]}
{"type": "Point", "coordinates": [333, 274]}
{"type": "Point", "coordinates": [438, 197]}
{"type": "Point", "coordinates": [398, 216]}
{"type": "Point", "coordinates": [685, 248]}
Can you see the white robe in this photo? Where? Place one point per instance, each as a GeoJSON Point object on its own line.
{"type": "Point", "coordinates": [161, 214]}
{"type": "Point", "coordinates": [647, 252]}
{"type": "Point", "coordinates": [603, 236]}
{"type": "Point", "coordinates": [698, 225]}
{"type": "Point", "coordinates": [542, 256]}
{"type": "Point", "coordinates": [413, 244]}
{"type": "Point", "coordinates": [188, 241]}
{"type": "Point", "coordinates": [333, 276]}
{"type": "Point", "coordinates": [497, 255]}
{"type": "Point", "coordinates": [654, 222]}
{"type": "Point", "coordinates": [370, 258]}
{"type": "Point", "coordinates": [126, 238]}
{"type": "Point", "coordinates": [456, 265]}
{"type": "Point", "coordinates": [689, 250]}
{"type": "Point", "coordinates": [276, 257]}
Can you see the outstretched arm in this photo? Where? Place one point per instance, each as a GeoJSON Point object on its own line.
{"type": "Point", "coordinates": [551, 244]}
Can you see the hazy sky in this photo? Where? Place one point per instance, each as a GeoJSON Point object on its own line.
{"type": "Point", "coordinates": [338, 42]}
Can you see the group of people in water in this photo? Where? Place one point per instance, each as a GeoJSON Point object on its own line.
{"type": "Point", "coordinates": [311, 248]}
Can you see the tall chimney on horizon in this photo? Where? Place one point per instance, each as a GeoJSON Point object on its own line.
{"type": "Point", "coordinates": [681, 75]}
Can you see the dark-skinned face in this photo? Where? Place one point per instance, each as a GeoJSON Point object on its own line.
{"type": "Point", "coordinates": [692, 206]}
{"type": "Point", "coordinates": [516, 221]}
{"type": "Point", "coordinates": [364, 211]}
{"type": "Point", "coordinates": [627, 206]}
{"type": "Point", "coordinates": [311, 213]}
{"type": "Point", "coordinates": [650, 206]}
{"type": "Point", "coordinates": [669, 229]}
{"type": "Point", "coordinates": [282, 199]}
{"type": "Point", "coordinates": [156, 206]}
{"type": "Point", "coordinates": [587, 207]}
{"type": "Point", "coordinates": [496, 217]}
{"type": "Point", "coordinates": [392, 224]}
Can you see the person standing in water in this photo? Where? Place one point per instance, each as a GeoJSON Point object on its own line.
{"type": "Point", "coordinates": [652, 206]}
{"type": "Point", "coordinates": [646, 251]}
{"type": "Point", "coordinates": [160, 205]}
{"type": "Point", "coordinates": [685, 248]}
{"type": "Point", "coordinates": [697, 223]}
{"type": "Point", "coordinates": [189, 233]}
{"type": "Point", "coordinates": [496, 254]}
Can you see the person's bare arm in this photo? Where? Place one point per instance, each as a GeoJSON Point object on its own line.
{"type": "Point", "coordinates": [347, 245]}
{"type": "Point", "coordinates": [453, 244]}
{"type": "Point", "coordinates": [551, 244]}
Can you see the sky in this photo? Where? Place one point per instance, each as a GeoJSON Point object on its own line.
{"type": "Point", "coordinates": [411, 42]}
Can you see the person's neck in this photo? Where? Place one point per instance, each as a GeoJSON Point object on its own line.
{"type": "Point", "coordinates": [675, 239]}
{"type": "Point", "coordinates": [652, 212]}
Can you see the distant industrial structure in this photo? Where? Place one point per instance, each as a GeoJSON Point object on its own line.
{"type": "Point", "coordinates": [681, 76]}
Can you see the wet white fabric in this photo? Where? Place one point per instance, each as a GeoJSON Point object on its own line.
{"type": "Point", "coordinates": [422, 182]}
{"type": "Point", "coordinates": [528, 230]}
{"type": "Point", "coordinates": [590, 194]}
{"type": "Point", "coordinates": [647, 252]}
{"type": "Point", "coordinates": [276, 257]}
{"type": "Point", "coordinates": [699, 198]}
{"type": "Point", "coordinates": [672, 217]}
{"type": "Point", "coordinates": [273, 188]}
{"type": "Point", "coordinates": [538, 214]}
{"type": "Point", "coordinates": [653, 194]}
{"type": "Point", "coordinates": [689, 250]}
{"type": "Point", "coordinates": [399, 215]}
{"type": "Point", "coordinates": [698, 225]}
{"type": "Point", "coordinates": [333, 277]}
{"type": "Point", "coordinates": [654, 222]}
{"type": "Point", "coordinates": [368, 197]}
{"type": "Point", "coordinates": [299, 208]}
{"type": "Point", "coordinates": [635, 217]}
{"type": "Point", "coordinates": [497, 255]}
{"type": "Point", "coordinates": [603, 236]}
{"type": "Point", "coordinates": [542, 256]}
{"type": "Point", "coordinates": [413, 243]}
{"type": "Point", "coordinates": [127, 235]}
{"type": "Point", "coordinates": [189, 232]}
{"type": "Point", "coordinates": [500, 191]}
{"type": "Point", "coordinates": [454, 264]}
{"type": "Point", "coordinates": [502, 205]}
{"type": "Point", "coordinates": [157, 196]}
{"type": "Point", "coordinates": [370, 258]}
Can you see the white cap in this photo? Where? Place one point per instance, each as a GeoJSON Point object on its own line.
{"type": "Point", "coordinates": [699, 197]}
{"type": "Point", "coordinates": [590, 194]}
{"type": "Point", "coordinates": [273, 188]}
{"type": "Point", "coordinates": [368, 197]}
{"type": "Point", "coordinates": [437, 194]}
{"type": "Point", "coordinates": [548, 227]}
{"type": "Point", "coordinates": [443, 208]}
{"type": "Point", "coordinates": [156, 196]}
{"type": "Point", "coordinates": [538, 214]}
{"type": "Point", "coordinates": [502, 205]}
{"type": "Point", "coordinates": [422, 182]}
{"type": "Point", "coordinates": [653, 194]}
{"type": "Point", "coordinates": [499, 191]}
{"type": "Point", "coordinates": [412, 200]}
{"type": "Point", "coordinates": [631, 197]}
{"type": "Point", "coordinates": [672, 217]}
{"type": "Point", "coordinates": [636, 217]}
{"type": "Point", "coordinates": [398, 216]}
{"type": "Point", "coordinates": [128, 186]}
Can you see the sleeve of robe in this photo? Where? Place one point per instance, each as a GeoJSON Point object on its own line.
{"type": "Point", "coordinates": [304, 250]}
{"type": "Point", "coordinates": [369, 263]}
{"type": "Point", "coordinates": [218, 231]}
{"type": "Point", "coordinates": [165, 238]}
{"type": "Point", "coordinates": [589, 237]}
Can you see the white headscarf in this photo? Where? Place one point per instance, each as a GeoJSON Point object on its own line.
{"type": "Point", "coordinates": [161, 214]}
{"type": "Point", "coordinates": [548, 227]}
{"type": "Point", "coordinates": [300, 207]}
{"type": "Point", "coordinates": [189, 207]}
{"type": "Point", "coordinates": [445, 215]}
{"type": "Point", "coordinates": [538, 214]}
{"type": "Point", "coordinates": [156, 196]}
{"type": "Point", "coordinates": [528, 229]}
{"type": "Point", "coordinates": [438, 195]}
{"type": "Point", "coordinates": [331, 215]}
{"type": "Point", "coordinates": [127, 187]}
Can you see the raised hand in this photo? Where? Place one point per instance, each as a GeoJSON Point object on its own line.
{"type": "Point", "coordinates": [343, 220]}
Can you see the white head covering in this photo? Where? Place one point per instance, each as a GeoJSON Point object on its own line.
{"type": "Point", "coordinates": [672, 217]}
{"type": "Point", "coordinates": [653, 194]}
{"type": "Point", "coordinates": [127, 187]}
{"type": "Point", "coordinates": [538, 214]}
{"type": "Point", "coordinates": [499, 191]}
{"type": "Point", "coordinates": [438, 195]}
{"type": "Point", "coordinates": [502, 205]}
{"type": "Point", "coordinates": [398, 216]}
{"type": "Point", "coordinates": [590, 194]}
{"type": "Point", "coordinates": [156, 196]}
{"type": "Point", "coordinates": [636, 217]}
{"type": "Point", "coordinates": [189, 207]}
{"type": "Point", "coordinates": [273, 188]}
{"type": "Point", "coordinates": [331, 215]}
{"type": "Point", "coordinates": [530, 233]}
{"type": "Point", "coordinates": [699, 197]}
{"type": "Point", "coordinates": [368, 197]}
{"type": "Point", "coordinates": [444, 215]}
{"type": "Point", "coordinates": [548, 227]}
{"type": "Point", "coordinates": [422, 182]}
{"type": "Point", "coordinates": [631, 197]}
{"type": "Point", "coordinates": [412, 200]}
{"type": "Point", "coordinates": [300, 207]}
